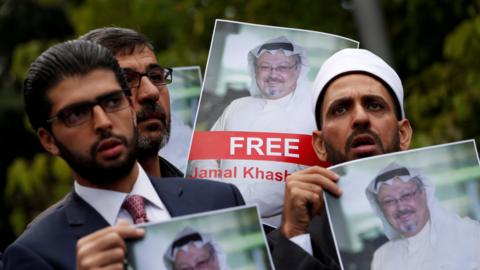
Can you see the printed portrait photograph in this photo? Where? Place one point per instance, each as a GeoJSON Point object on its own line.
{"type": "Point", "coordinates": [418, 209]}
{"type": "Point", "coordinates": [255, 119]}
{"type": "Point", "coordinates": [220, 240]}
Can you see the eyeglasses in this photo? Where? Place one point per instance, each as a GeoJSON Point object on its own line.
{"type": "Point", "coordinates": [279, 69]}
{"type": "Point", "coordinates": [157, 75]}
{"type": "Point", "coordinates": [79, 113]}
{"type": "Point", "coordinates": [407, 197]}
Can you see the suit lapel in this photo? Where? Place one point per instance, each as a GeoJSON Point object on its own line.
{"type": "Point", "coordinates": [173, 196]}
{"type": "Point", "coordinates": [81, 217]}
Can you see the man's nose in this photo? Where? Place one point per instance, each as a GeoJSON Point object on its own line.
{"type": "Point", "coordinates": [360, 117]}
{"type": "Point", "coordinates": [100, 118]}
{"type": "Point", "coordinates": [401, 205]}
{"type": "Point", "coordinates": [147, 91]}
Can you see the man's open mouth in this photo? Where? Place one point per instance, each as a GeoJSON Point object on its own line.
{"type": "Point", "coordinates": [363, 140]}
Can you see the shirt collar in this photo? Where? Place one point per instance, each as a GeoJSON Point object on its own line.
{"type": "Point", "coordinates": [108, 203]}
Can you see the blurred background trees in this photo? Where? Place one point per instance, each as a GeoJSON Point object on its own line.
{"type": "Point", "coordinates": [434, 46]}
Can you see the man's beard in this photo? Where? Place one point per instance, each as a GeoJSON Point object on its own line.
{"type": "Point", "coordinates": [88, 168]}
{"type": "Point", "coordinates": [148, 145]}
{"type": "Point", "coordinates": [409, 226]}
{"type": "Point", "coordinates": [335, 156]}
{"type": "Point", "coordinates": [273, 92]}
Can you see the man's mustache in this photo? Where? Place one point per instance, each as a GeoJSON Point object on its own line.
{"type": "Point", "coordinates": [401, 213]}
{"type": "Point", "coordinates": [149, 110]}
{"type": "Point", "coordinates": [274, 79]}
{"type": "Point", "coordinates": [362, 131]}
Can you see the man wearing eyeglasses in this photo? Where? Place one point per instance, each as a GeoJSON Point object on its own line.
{"type": "Point", "coordinates": [80, 105]}
{"type": "Point", "coordinates": [422, 234]}
{"type": "Point", "coordinates": [279, 102]}
{"type": "Point", "coordinates": [148, 81]}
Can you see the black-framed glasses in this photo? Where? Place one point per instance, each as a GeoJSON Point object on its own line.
{"type": "Point", "coordinates": [79, 113]}
{"type": "Point", "coordinates": [157, 75]}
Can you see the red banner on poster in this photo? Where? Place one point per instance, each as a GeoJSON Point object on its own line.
{"type": "Point", "coordinates": [283, 147]}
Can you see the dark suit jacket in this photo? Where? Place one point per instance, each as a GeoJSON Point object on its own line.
{"type": "Point", "coordinates": [50, 243]}
{"type": "Point", "coordinates": [288, 255]}
{"type": "Point", "coordinates": [167, 169]}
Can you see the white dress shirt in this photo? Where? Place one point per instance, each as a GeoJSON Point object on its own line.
{"type": "Point", "coordinates": [108, 203]}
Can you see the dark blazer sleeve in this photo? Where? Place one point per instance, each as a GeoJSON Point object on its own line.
{"type": "Point", "coordinates": [237, 195]}
{"type": "Point", "coordinates": [20, 257]}
{"type": "Point", "coordinates": [288, 255]}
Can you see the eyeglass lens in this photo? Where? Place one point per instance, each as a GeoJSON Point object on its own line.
{"type": "Point", "coordinates": [77, 114]}
{"type": "Point", "coordinates": [157, 75]}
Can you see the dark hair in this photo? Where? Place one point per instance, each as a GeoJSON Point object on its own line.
{"type": "Point", "coordinates": [319, 103]}
{"type": "Point", "coordinates": [67, 59]}
{"type": "Point", "coordinates": [117, 40]}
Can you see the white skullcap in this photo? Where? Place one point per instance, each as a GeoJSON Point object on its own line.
{"type": "Point", "coordinates": [357, 60]}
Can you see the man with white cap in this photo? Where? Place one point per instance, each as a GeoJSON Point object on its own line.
{"type": "Point", "coordinates": [422, 234]}
{"type": "Point", "coordinates": [191, 249]}
{"type": "Point", "coordinates": [358, 104]}
{"type": "Point", "coordinates": [279, 102]}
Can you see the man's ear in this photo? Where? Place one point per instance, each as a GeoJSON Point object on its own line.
{"type": "Point", "coordinates": [47, 141]}
{"type": "Point", "coordinates": [318, 144]}
{"type": "Point", "coordinates": [405, 134]}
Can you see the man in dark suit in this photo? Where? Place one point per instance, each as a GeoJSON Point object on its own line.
{"type": "Point", "coordinates": [80, 104]}
{"type": "Point", "coordinates": [359, 113]}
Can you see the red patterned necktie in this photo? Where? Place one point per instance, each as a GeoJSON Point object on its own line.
{"type": "Point", "coordinates": [135, 206]}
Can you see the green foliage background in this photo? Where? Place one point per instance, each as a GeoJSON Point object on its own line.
{"type": "Point", "coordinates": [435, 44]}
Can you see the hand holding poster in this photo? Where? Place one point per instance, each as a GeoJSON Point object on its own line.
{"type": "Point", "coordinates": [256, 118]}
{"type": "Point", "coordinates": [417, 209]}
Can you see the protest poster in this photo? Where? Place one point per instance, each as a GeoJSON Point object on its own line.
{"type": "Point", "coordinates": [417, 209]}
{"type": "Point", "coordinates": [226, 239]}
{"type": "Point", "coordinates": [256, 117]}
{"type": "Point", "coordinates": [184, 95]}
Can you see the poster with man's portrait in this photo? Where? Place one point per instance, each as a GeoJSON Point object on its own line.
{"type": "Point", "coordinates": [184, 95]}
{"type": "Point", "coordinates": [226, 239]}
{"type": "Point", "coordinates": [255, 117]}
{"type": "Point", "coordinates": [417, 209]}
